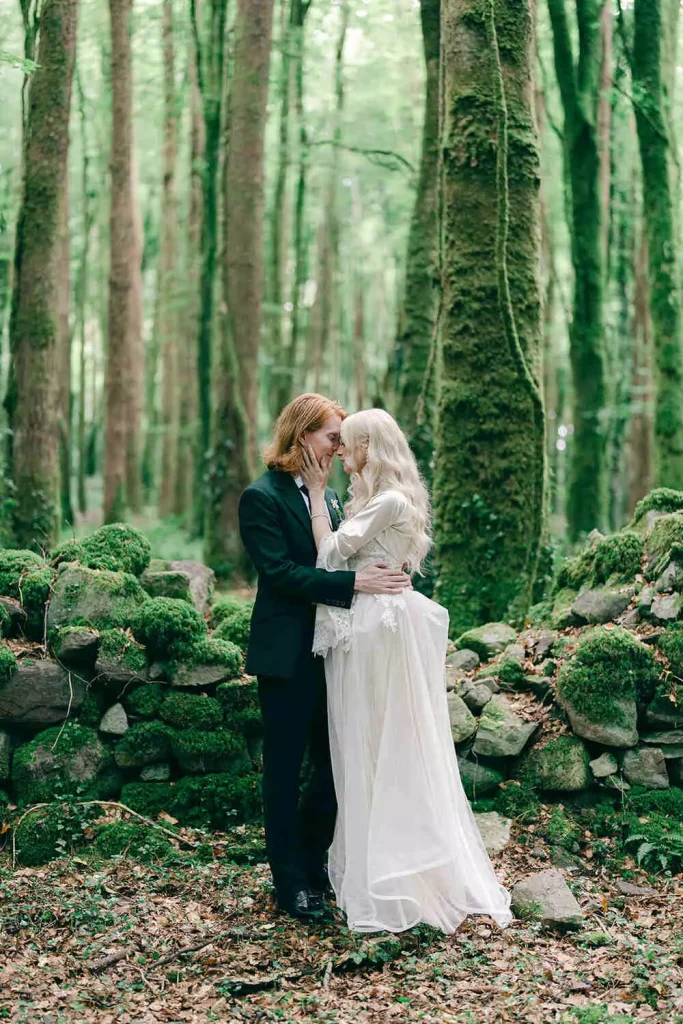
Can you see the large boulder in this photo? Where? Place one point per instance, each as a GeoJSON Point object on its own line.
{"type": "Point", "coordinates": [620, 733]}
{"type": "Point", "coordinates": [38, 694]}
{"type": "Point", "coordinates": [494, 831]}
{"type": "Point", "coordinates": [77, 646]}
{"type": "Point", "coordinates": [463, 722]}
{"type": "Point", "coordinates": [94, 597]}
{"type": "Point", "coordinates": [478, 779]}
{"type": "Point", "coordinates": [604, 766]}
{"type": "Point", "coordinates": [202, 582]}
{"type": "Point", "coordinates": [601, 604]}
{"type": "Point", "coordinates": [666, 607]}
{"type": "Point", "coordinates": [475, 693]}
{"type": "Point", "coordinates": [464, 660]}
{"type": "Point", "coordinates": [561, 765]}
{"type": "Point", "coordinates": [502, 733]}
{"type": "Point", "coordinates": [547, 898]}
{"type": "Point", "coordinates": [68, 761]}
{"type": "Point", "coordinates": [211, 662]}
{"type": "Point", "coordinates": [646, 767]}
{"type": "Point", "coordinates": [487, 641]}
{"type": "Point", "coordinates": [167, 584]}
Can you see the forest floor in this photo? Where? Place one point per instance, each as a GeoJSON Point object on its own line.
{"type": "Point", "coordinates": [104, 941]}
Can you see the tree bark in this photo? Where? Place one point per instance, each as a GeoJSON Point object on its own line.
{"type": "Point", "coordinates": [34, 326]}
{"type": "Point", "coordinates": [654, 46]}
{"type": "Point", "coordinates": [135, 388]}
{"type": "Point", "coordinates": [121, 268]}
{"type": "Point", "coordinates": [64, 395]}
{"type": "Point", "coordinates": [579, 82]}
{"type": "Point", "coordinates": [489, 480]}
{"type": "Point", "coordinates": [234, 449]}
{"type": "Point", "coordinates": [418, 316]}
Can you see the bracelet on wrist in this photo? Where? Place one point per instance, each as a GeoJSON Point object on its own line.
{"type": "Point", "coordinates": [319, 515]}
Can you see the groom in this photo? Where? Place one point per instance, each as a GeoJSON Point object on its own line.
{"type": "Point", "coordinates": [275, 525]}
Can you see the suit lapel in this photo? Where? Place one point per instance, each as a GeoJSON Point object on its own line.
{"type": "Point", "coordinates": [290, 494]}
{"type": "Point", "coordinates": [334, 517]}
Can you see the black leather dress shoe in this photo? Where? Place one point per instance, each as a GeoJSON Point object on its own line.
{"type": "Point", "coordinates": [319, 882]}
{"type": "Point", "coordinates": [301, 905]}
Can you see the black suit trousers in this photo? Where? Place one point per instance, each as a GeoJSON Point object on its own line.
{"type": "Point", "coordinates": [298, 831]}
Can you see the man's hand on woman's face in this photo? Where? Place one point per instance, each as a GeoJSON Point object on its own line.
{"type": "Point", "coordinates": [314, 472]}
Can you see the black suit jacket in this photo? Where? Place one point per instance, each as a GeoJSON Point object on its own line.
{"type": "Point", "coordinates": [276, 531]}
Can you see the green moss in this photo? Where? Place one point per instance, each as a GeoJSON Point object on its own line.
{"type": "Point", "coordinates": [561, 764]}
{"type": "Point", "coordinates": [8, 663]}
{"type": "Point", "coordinates": [96, 598]}
{"type": "Point", "coordinates": [145, 701]}
{"type": "Point", "coordinates": [213, 801]}
{"type": "Point", "coordinates": [197, 751]}
{"type": "Point", "coordinates": [117, 547]}
{"type": "Point", "coordinates": [148, 798]}
{"type": "Point", "coordinates": [171, 584]}
{"type": "Point", "coordinates": [666, 535]}
{"type": "Point", "coordinates": [59, 637]}
{"type": "Point", "coordinates": [664, 801]}
{"type": "Point", "coordinates": [64, 762]}
{"type": "Point", "coordinates": [608, 664]}
{"type": "Point", "coordinates": [67, 551]}
{"type": "Point", "coordinates": [169, 628]}
{"type": "Point", "coordinates": [117, 646]}
{"type": "Point", "coordinates": [191, 711]}
{"type": "Point", "coordinates": [93, 707]}
{"type": "Point", "coordinates": [27, 578]}
{"type": "Point", "coordinates": [5, 621]}
{"type": "Point", "coordinates": [241, 707]}
{"type": "Point", "coordinates": [617, 558]}
{"type": "Point", "coordinates": [231, 619]}
{"type": "Point", "coordinates": [661, 499]}
{"type": "Point", "coordinates": [51, 832]}
{"type": "Point", "coordinates": [143, 842]}
{"type": "Point", "coordinates": [516, 799]}
{"type": "Point", "coordinates": [207, 651]}
{"type": "Point", "coordinates": [509, 671]}
{"type": "Point", "coordinates": [143, 743]}
{"type": "Point", "coordinates": [671, 644]}
{"type": "Point", "coordinates": [575, 572]}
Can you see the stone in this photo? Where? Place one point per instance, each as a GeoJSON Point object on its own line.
{"type": "Point", "coordinates": [666, 608]}
{"type": "Point", "coordinates": [70, 760]}
{"type": "Point", "coordinates": [463, 722]}
{"type": "Point", "coordinates": [604, 765]}
{"type": "Point", "coordinates": [561, 765]}
{"type": "Point", "coordinates": [631, 619]}
{"type": "Point", "coordinates": [646, 767]}
{"type": "Point", "coordinates": [669, 578]}
{"type": "Point", "coordinates": [202, 582]}
{"type": "Point", "coordinates": [464, 660]}
{"type": "Point", "coordinates": [601, 604]}
{"type": "Point", "coordinates": [562, 615]}
{"type": "Point", "coordinates": [609, 734]}
{"type": "Point", "coordinates": [5, 755]}
{"type": "Point", "coordinates": [114, 721]}
{"type": "Point", "coordinates": [167, 584]}
{"type": "Point", "coordinates": [77, 647]}
{"type": "Point", "coordinates": [663, 713]}
{"type": "Point", "coordinates": [667, 738]}
{"type": "Point", "coordinates": [544, 645]}
{"type": "Point", "coordinates": [39, 694]}
{"type": "Point", "coordinates": [547, 898]}
{"type": "Point", "coordinates": [475, 694]}
{"type": "Point", "coordinates": [199, 676]}
{"type": "Point", "coordinates": [616, 782]}
{"type": "Point", "coordinates": [478, 779]}
{"type": "Point", "coordinates": [645, 599]}
{"type": "Point", "coordinates": [502, 733]}
{"type": "Point", "coordinates": [454, 677]}
{"type": "Point", "coordinates": [16, 613]}
{"type": "Point", "coordinates": [514, 652]}
{"type": "Point", "coordinates": [101, 598]}
{"type": "Point", "coordinates": [487, 640]}
{"type": "Point", "coordinates": [155, 773]}
{"type": "Point", "coordinates": [629, 889]}
{"type": "Point", "coordinates": [494, 830]}
{"type": "Point", "coordinates": [157, 672]}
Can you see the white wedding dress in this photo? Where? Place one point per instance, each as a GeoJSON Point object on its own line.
{"type": "Point", "coordinates": [406, 847]}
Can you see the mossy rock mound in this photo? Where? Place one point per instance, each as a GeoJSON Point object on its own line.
{"type": "Point", "coordinates": [8, 663]}
{"type": "Point", "coordinates": [661, 500]}
{"type": "Point", "coordinates": [606, 561]}
{"type": "Point", "coordinates": [121, 659]}
{"type": "Point", "coordinates": [561, 765]}
{"type": "Point", "coordinates": [167, 584]}
{"type": "Point", "coordinates": [169, 628]}
{"type": "Point", "coordinates": [144, 743]}
{"type": "Point", "coordinates": [239, 700]}
{"type": "Point", "coordinates": [200, 752]}
{"type": "Point", "coordinates": [664, 540]}
{"type": "Point", "coordinates": [216, 801]}
{"type": "Point", "coordinates": [37, 693]}
{"type": "Point", "coordinates": [149, 798]}
{"type": "Point", "coordinates": [191, 711]}
{"type": "Point", "coordinates": [51, 832]}
{"type": "Point", "coordinates": [145, 701]}
{"type": "Point", "coordinates": [142, 842]}
{"type": "Point", "coordinates": [64, 762]}
{"type": "Point", "coordinates": [27, 578]}
{"type": "Point", "coordinates": [231, 620]}
{"type": "Point", "coordinates": [96, 598]}
{"type": "Point", "coordinates": [602, 684]}
{"type": "Point", "coordinates": [117, 547]}
{"type": "Point", "coordinates": [487, 641]}
{"type": "Point", "coordinates": [67, 551]}
{"type": "Point", "coordinates": [207, 663]}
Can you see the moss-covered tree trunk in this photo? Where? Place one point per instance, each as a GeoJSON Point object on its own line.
{"type": "Point", "coordinates": [64, 395]}
{"type": "Point", "coordinates": [653, 60]}
{"type": "Point", "coordinates": [34, 325]}
{"type": "Point", "coordinates": [121, 266]}
{"type": "Point", "coordinates": [420, 301]}
{"type": "Point", "coordinates": [579, 82]}
{"type": "Point", "coordinates": [233, 459]}
{"type": "Point", "coordinates": [489, 476]}
{"type": "Point", "coordinates": [135, 387]}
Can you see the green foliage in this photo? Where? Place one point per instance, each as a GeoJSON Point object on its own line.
{"type": "Point", "coordinates": [5, 621]}
{"type": "Point", "coordinates": [145, 701]}
{"type": "Point", "coordinates": [614, 559]}
{"type": "Point", "coordinates": [197, 751]}
{"type": "Point", "coordinates": [232, 623]}
{"type": "Point", "coordinates": [213, 801]}
{"type": "Point", "coordinates": [67, 551]}
{"type": "Point", "coordinates": [50, 832]}
{"type": "Point", "coordinates": [143, 743]}
{"type": "Point", "coordinates": [148, 798]}
{"type": "Point", "coordinates": [116, 646]}
{"type": "Point", "coordinates": [169, 628]}
{"type": "Point", "coordinates": [63, 763]}
{"type": "Point", "coordinates": [576, 571]}
{"type": "Point", "coordinates": [191, 711]}
{"type": "Point", "coordinates": [8, 663]}
{"type": "Point", "coordinates": [661, 499]}
{"type": "Point", "coordinates": [123, 838]}
{"type": "Point", "coordinates": [516, 799]}
{"type": "Point", "coordinates": [608, 664]}
{"type": "Point", "coordinates": [668, 802]}
{"type": "Point", "coordinates": [208, 651]}
{"type": "Point", "coordinates": [671, 644]}
{"type": "Point", "coordinates": [241, 707]}
{"type": "Point", "coordinates": [117, 547]}
{"type": "Point", "coordinates": [656, 842]}
{"type": "Point", "coordinates": [510, 671]}
{"type": "Point", "coordinates": [93, 707]}
{"type": "Point", "coordinates": [561, 829]}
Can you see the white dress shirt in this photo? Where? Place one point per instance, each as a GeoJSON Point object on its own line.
{"type": "Point", "coordinates": [299, 481]}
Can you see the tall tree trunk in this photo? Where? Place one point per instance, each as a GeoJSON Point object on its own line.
{"type": "Point", "coordinates": [234, 448]}
{"type": "Point", "coordinates": [605, 126]}
{"type": "Point", "coordinates": [82, 297]}
{"type": "Point", "coordinates": [64, 396]}
{"type": "Point", "coordinates": [489, 479]}
{"type": "Point", "coordinates": [168, 274]}
{"type": "Point", "coordinates": [654, 47]}
{"type": "Point", "coordinates": [34, 327]}
{"type": "Point", "coordinates": [579, 82]}
{"type": "Point", "coordinates": [210, 62]}
{"type": "Point", "coordinates": [641, 434]}
{"type": "Point", "coordinates": [121, 267]}
{"type": "Point", "coordinates": [136, 365]}
{"type": "Point", "coordinates": [418, 315]}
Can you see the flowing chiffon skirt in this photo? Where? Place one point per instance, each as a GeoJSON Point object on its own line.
{"type": "Point", "coordinates": [406, 847]}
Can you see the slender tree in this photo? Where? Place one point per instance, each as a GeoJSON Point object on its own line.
{"type": "Point", "coordinates": [135, 382]}
{"type": "Point", "coordinates": [234, 449]}
{"type": "Point", "coordinates": [489, 480]}
{"type": "Point", "coordinates": [579, 82]}
{"type": "Point", "coordinates": [34, 326]}
{"type": "Point", "coordinates": [82, 286]}
{"type": "Point", "coordinates": [653, 63]}
{"type": "Point", "coordinates": [121, 263]}
{"type": "Point", "coordinates": [418, 316]}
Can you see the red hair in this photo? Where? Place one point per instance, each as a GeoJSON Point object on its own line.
{"type": "Point", "coordinates": [304, 414]}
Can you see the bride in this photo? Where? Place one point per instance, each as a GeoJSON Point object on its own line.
{"type": "Point", "coordinates": [406, 847]}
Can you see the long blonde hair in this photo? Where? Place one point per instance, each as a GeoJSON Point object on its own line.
{"type": "Point", "coordinates": [390, 465]}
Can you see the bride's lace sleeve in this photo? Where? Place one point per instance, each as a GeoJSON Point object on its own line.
{"type": "Point", "coordinates": [379, 514]}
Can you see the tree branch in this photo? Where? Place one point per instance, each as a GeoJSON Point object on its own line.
{"type": "Point", "coordinates": [370, 153]}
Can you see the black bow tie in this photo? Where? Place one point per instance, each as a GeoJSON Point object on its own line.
{"type": "Point", "coordinates": [304, 490]}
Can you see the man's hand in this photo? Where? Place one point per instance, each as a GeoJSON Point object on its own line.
{"type": "Point", "coordinates": [378, 579]}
